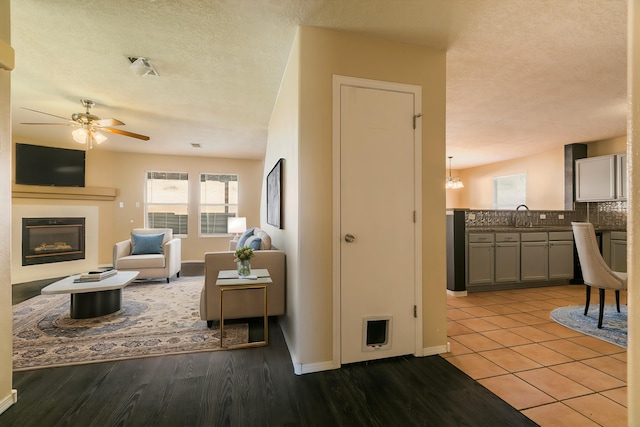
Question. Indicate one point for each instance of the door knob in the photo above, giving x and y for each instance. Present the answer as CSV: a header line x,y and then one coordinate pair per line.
x,y
349,238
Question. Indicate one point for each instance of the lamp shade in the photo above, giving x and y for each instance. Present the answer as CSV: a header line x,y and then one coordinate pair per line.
x,y
80,135
236,225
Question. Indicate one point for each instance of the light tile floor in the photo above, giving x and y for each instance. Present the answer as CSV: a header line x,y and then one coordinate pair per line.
x,y
507,342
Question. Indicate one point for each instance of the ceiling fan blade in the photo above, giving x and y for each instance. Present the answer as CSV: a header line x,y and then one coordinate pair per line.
x,y
109,122
48,114
125,133
51,124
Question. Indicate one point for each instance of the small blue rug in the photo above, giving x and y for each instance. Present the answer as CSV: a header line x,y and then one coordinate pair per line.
x,y
614,324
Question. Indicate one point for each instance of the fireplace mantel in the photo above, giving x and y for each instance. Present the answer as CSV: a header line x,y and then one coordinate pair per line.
x,y
70,193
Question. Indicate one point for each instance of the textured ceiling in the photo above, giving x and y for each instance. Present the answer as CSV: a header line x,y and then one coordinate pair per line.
x,y
523,76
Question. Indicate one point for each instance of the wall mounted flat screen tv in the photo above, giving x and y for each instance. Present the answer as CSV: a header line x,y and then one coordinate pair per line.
x,y
50,166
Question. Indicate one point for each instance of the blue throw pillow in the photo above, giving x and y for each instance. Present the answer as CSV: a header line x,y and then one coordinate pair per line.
x,y
254,243
244,237
144,244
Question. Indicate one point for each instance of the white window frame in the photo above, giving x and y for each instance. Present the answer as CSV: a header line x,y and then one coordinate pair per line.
x,y
227,204
179,232
505,198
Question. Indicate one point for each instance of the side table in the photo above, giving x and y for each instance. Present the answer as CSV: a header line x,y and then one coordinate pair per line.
x,y
228,281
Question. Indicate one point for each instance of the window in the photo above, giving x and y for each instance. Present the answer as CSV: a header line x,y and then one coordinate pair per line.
x,y
167,200
218,201
509,191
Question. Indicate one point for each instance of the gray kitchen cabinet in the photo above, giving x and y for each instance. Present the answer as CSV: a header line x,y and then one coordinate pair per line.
x,y
534,257
507,256
614,249
480,259
596,178
560,255
618,251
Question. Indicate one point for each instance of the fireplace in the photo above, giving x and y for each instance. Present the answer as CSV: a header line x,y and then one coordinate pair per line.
x,y
46,240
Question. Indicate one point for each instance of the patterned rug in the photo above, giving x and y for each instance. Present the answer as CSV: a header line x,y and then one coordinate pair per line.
x,y
156,319
614,324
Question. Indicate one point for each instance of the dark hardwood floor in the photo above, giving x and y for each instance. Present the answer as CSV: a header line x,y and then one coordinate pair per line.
x,y
255,387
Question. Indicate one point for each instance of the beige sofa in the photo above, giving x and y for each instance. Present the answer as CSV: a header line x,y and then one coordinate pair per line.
x,y
246,303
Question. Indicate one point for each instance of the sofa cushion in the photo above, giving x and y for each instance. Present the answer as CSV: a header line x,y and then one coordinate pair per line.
x,y
264,237
243,239
144,244
134,262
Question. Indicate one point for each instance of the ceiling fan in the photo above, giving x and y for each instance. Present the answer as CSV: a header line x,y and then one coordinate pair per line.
x,y
89,125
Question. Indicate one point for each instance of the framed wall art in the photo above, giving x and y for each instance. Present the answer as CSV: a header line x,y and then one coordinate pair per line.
x,y
274,195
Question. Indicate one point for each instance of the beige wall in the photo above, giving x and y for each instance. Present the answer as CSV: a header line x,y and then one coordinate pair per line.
x,y
130,177
126,173
7,397
607,146
545,181
322,54
283,143
545,177
633,223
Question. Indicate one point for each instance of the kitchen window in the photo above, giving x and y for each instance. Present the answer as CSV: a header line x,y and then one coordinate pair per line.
x,y
509,191
218,201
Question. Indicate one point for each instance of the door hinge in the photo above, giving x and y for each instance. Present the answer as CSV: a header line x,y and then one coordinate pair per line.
x,y
416,117
414,217
415,311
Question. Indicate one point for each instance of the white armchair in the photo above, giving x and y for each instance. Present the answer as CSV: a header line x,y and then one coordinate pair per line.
x,y
153,256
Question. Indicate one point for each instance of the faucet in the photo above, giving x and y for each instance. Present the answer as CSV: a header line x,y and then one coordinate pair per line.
x,y
530,222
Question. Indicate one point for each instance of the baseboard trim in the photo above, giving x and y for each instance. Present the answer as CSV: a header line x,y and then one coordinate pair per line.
x,y
8,401
438,349
306,368
457,293
309,368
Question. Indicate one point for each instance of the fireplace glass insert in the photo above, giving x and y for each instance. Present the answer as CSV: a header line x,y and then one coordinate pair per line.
x,y
46,240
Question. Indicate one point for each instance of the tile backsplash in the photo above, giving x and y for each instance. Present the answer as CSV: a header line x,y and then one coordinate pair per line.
x,y
601,214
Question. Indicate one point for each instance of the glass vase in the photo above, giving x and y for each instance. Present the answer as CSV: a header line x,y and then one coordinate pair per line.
x,y
244,268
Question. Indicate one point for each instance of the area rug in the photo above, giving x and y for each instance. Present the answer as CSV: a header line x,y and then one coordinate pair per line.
x,y
614,324
156,318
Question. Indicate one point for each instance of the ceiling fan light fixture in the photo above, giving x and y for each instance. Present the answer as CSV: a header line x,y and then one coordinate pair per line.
x,y
453,182
84,136
98,137
80,135
142,67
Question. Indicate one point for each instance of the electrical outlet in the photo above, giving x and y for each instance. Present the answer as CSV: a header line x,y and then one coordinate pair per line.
x,y
472,216
560,216
543,216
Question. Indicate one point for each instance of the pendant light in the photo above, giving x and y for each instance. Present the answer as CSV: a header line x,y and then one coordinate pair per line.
x,y
453,181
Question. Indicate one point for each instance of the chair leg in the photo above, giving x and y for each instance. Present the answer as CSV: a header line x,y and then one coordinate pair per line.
x,y
167,280
586,306
618,300
601,308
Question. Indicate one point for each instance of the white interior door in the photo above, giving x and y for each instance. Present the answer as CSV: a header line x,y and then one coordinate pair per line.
x,y
377,223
